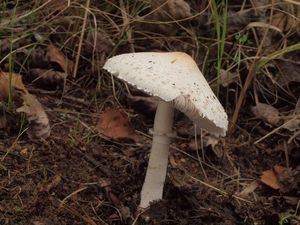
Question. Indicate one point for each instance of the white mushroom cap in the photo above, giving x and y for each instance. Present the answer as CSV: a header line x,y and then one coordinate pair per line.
x,y
173,76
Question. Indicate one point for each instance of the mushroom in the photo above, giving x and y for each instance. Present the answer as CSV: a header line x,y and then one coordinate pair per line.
x,y
175,78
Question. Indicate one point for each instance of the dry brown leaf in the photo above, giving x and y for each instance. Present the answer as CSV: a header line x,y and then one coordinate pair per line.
x,y
269,178
52,183
248,189
114,123
49,77
292,124
292,121
289,72
208,140
228,77
166,11
266,112
55,5
282,173
98,42
275,177
38,121
279,20
37,118
16,84
39,59
98,45
260,7
285,22
56,56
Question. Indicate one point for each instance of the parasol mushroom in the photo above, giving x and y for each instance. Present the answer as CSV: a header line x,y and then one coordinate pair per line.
x,y
175,78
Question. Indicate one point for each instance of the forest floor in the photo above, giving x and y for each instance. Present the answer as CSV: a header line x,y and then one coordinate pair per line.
x,y
51,58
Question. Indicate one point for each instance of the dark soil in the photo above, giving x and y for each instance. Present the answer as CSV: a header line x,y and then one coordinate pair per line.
x,y
77,176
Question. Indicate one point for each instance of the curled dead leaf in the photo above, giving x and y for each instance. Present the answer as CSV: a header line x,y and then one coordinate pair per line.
x,y
98,42
168,11
228,77
292,121
49,77
266,112
269,178
56,56
12,80
248,189
37,118
164,10
52,183
288,72
114,124
98,45
275,177
208,141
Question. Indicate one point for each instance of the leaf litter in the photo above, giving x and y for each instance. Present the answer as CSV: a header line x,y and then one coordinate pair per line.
x,y
73,156
114,123
37,118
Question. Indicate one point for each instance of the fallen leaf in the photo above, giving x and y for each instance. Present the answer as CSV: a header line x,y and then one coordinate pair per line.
x,y
168,10
51,183
24,152
164,10
248,189
56,180
292,121
208,140
10,79
98,45
37,118
228,77
269,178
279,20
266,112
288,72
98,42
291,200
275,177
285,22
56,56
281,172
49,77
259,8
114,123
54,5
38,58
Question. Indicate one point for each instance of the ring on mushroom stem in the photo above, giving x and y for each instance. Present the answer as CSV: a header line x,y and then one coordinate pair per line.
x,y
170,135
177,80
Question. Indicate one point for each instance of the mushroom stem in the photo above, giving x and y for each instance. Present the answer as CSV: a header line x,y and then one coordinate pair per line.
x,y
158,161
